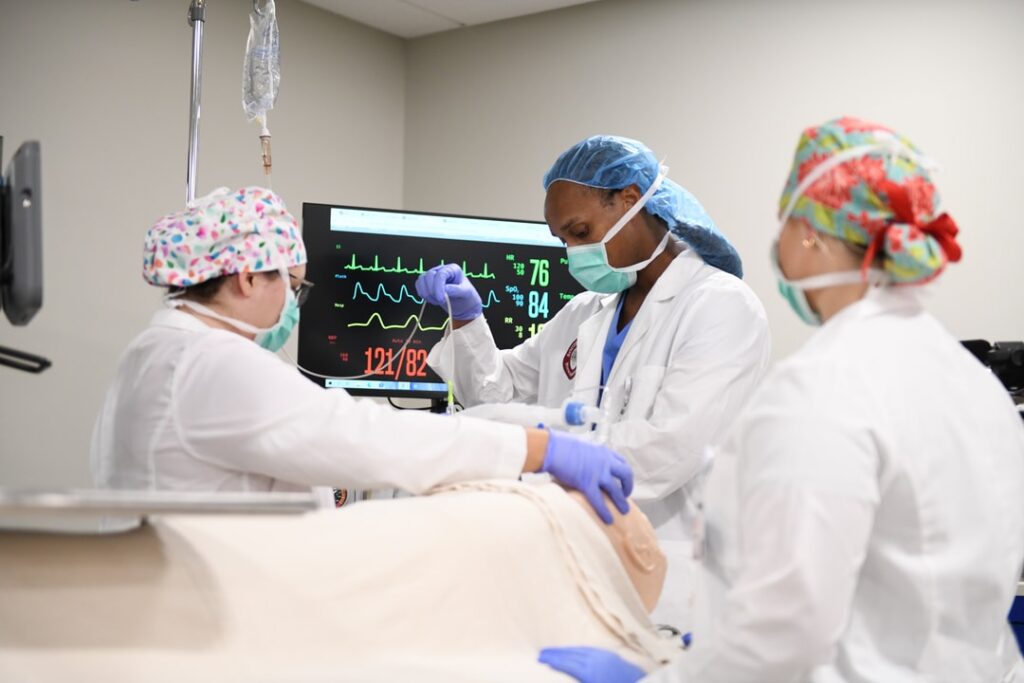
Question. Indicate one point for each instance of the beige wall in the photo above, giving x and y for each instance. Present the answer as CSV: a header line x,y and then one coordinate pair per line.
x,y
104,84
468,121
722,89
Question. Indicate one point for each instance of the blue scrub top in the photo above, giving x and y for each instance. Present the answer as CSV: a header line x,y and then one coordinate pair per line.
x,y
612,345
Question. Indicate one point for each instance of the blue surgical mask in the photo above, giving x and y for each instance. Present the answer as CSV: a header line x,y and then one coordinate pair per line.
x,y
588,263
271,338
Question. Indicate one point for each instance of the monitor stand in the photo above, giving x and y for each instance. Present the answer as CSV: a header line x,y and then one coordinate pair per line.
x,y
20,360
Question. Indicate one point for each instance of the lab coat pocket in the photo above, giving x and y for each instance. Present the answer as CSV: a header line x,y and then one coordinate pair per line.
x,y
639,401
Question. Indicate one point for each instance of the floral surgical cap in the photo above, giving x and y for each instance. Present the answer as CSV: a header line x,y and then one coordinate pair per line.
x,y
609,162
225,232
883,200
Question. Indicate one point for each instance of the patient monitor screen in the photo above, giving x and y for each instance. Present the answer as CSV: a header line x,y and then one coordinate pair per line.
x,y
364,263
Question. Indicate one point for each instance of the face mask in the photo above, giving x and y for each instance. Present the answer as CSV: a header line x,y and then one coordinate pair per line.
x,y
270,338
588,263
795,291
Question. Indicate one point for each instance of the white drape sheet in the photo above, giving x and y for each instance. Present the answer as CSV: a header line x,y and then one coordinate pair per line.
x,y
466,584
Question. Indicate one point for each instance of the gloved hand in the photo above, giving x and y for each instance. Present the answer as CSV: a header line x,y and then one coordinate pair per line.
x,y
591,665
589,468
449,279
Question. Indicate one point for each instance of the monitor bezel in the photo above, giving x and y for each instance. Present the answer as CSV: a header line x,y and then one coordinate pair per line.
x,y
326,210
21,239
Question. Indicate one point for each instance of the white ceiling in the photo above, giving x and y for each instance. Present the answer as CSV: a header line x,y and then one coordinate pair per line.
x,y
413,18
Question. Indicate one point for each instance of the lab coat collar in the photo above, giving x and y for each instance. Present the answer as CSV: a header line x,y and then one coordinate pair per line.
x,y
682,269
639,328
594,330
608,300
672,281
590,346
880,301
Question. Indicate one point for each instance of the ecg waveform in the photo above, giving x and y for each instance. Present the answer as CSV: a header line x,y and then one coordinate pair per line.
x,y
485,274
382,291
408,321
403,292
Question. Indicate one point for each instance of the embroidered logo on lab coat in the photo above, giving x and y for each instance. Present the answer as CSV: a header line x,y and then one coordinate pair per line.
x,y
569,361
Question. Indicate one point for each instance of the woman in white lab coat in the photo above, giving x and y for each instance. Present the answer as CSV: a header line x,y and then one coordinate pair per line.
x,y
200,401
669,340
864,517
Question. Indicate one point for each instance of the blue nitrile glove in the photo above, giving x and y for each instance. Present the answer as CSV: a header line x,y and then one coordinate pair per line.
x,y
449,279
591,665
589,468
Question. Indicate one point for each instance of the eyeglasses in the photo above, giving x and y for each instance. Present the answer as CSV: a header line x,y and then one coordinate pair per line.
x,y
301,290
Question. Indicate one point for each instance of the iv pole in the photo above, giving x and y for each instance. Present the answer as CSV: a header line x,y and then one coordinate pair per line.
x,y
196,19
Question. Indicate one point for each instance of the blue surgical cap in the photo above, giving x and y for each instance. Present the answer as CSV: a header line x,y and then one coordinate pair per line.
x,y
609,162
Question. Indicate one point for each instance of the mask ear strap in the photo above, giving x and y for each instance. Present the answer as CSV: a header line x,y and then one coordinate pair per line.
x,y
872,276
847,277
289,293
210,313
646,262
635,209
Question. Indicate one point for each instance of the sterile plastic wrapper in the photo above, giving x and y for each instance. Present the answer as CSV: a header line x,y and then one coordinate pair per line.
x,y
261,71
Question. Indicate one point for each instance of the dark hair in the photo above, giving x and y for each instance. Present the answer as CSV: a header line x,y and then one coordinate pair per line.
x,y
204,292
606,195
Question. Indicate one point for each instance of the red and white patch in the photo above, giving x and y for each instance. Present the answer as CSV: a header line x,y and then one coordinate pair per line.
x,y
569,361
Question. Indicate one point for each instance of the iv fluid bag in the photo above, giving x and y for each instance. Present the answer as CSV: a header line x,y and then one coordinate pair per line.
x,y
261,71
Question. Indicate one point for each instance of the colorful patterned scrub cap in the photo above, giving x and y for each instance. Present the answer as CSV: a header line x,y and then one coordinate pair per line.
x,y
869,186
609,162
225,232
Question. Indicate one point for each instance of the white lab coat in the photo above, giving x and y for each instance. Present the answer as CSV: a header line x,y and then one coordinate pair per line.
x,y
197,408
693,356
864,516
